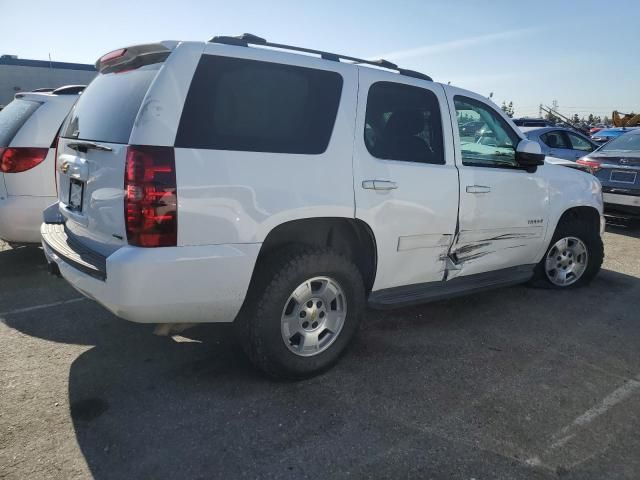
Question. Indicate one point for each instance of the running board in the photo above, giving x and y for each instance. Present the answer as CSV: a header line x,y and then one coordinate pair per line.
x,y
433,291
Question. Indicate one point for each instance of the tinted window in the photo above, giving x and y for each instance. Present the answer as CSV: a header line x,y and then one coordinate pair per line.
x,y
493,145
403,123
555,139
13,116
579,143
246,105
108,107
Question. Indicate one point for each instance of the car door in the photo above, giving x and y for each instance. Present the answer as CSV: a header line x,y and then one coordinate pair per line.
x,y
558,144
580,145
405,179
503,208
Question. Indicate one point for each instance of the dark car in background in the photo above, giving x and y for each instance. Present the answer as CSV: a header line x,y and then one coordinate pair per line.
x,y
471,129
617,166
533,122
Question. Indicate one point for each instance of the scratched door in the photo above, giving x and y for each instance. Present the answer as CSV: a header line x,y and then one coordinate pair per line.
x,y
405,178
503,208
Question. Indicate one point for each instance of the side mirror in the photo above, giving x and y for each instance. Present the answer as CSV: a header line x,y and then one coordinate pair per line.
x,y
529,155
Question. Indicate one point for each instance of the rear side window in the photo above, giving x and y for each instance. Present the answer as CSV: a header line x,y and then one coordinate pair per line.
x,y
252,106
555,139
403,123
108,107
13,117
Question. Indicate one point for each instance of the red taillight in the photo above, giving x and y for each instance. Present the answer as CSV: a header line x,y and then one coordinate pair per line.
x,y
21,159
594,165
112,55
151,203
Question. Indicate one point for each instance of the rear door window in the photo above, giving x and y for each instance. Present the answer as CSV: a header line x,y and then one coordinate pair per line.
x,y
403,122
556,139
13,117
253,106
108,107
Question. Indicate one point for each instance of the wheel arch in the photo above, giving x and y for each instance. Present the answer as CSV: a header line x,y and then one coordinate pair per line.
x,y
584,213
351,237
587,213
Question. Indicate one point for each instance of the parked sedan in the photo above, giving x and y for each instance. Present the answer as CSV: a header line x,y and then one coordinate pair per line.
x,y
617,166
560,142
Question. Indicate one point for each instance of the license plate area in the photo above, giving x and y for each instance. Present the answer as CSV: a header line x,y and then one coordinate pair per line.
x,y
76,195
623,177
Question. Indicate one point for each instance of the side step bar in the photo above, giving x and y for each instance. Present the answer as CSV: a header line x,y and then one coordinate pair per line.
x,y
432,291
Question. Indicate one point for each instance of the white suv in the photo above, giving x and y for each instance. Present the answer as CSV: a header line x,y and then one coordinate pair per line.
x,y
220,182
28,136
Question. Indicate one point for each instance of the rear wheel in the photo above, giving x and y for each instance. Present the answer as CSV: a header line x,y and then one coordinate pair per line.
x,y
303,308
573,258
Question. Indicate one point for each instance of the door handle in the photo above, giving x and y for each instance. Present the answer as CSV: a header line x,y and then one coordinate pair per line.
x,y
379,185
478,189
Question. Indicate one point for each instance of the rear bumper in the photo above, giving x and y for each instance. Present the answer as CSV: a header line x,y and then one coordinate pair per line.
x,y
192,284
617,199
21,216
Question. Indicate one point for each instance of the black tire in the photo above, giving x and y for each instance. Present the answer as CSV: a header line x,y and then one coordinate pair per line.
x,y
276,277
573,227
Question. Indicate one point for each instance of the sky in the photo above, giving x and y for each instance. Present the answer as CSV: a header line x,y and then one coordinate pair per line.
x,y
584,54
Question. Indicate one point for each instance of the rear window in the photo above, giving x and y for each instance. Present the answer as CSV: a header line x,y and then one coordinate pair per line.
x,y
253,106
629,142
108,107
13,117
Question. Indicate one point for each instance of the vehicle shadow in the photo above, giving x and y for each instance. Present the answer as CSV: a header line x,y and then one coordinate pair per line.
x,y
192,406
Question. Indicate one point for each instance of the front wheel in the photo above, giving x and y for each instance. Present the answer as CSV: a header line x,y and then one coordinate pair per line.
x,y
573,258
303,309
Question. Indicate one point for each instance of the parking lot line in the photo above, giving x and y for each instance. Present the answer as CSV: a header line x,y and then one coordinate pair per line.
x,y
39,307
587,417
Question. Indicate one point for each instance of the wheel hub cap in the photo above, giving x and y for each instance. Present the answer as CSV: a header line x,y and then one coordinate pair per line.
x,y
566,261
313,316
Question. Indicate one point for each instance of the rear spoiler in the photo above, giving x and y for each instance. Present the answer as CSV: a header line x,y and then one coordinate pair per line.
x,y
136,56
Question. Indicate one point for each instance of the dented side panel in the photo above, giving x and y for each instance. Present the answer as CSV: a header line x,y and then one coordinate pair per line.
x,y
503,228
504,212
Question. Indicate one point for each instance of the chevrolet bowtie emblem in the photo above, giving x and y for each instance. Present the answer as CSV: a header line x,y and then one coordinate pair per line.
x,y
64,168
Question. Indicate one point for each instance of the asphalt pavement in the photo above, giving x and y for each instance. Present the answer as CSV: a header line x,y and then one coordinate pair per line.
x,y
516,383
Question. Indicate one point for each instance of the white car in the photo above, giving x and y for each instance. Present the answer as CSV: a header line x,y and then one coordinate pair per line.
x,y
220,182
28,134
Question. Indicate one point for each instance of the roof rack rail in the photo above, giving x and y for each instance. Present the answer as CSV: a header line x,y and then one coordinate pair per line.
x,y
42,90
69,90
247,39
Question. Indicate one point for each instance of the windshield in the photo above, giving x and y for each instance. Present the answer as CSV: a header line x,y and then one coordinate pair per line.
x,y
108,107
629,142
13,116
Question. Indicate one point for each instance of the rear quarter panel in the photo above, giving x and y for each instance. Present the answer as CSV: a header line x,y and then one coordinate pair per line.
x,y
239,197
